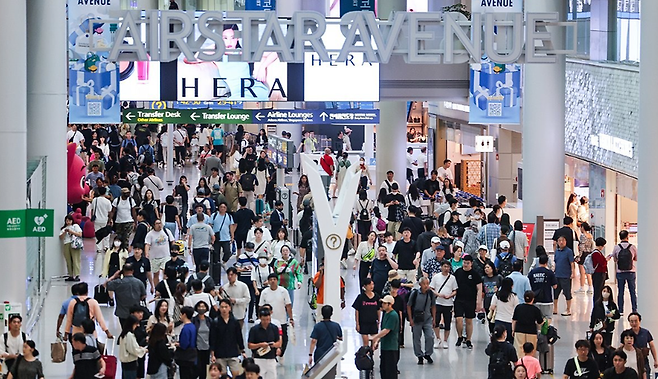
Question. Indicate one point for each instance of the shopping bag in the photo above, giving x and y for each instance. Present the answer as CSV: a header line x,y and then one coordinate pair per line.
x,y
58,351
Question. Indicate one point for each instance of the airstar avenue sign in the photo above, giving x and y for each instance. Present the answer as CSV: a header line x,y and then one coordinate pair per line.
x,y
503,37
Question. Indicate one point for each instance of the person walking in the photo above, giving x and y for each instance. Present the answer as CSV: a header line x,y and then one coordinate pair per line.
x,y
525,320
226,342
625,256
237,292
365,254
30,366
468,300
160,355
366,311
388,336
444,286
620,370
128,290
582,366
422,313
279,299
604,314
501,354
502,307
324,335
643,341
264,341
129,349
200,239
186,353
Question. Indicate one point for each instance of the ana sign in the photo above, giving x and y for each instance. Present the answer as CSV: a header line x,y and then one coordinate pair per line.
x,y
164,35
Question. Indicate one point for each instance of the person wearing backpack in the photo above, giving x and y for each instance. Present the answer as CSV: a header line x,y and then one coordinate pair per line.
x,y
12,341
501,355
83,307
248,182
504,259
625,256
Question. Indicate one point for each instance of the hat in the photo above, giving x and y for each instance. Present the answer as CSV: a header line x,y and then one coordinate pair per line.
x,y
459,244
125,190
436,240
393,274
504,245
439,247
262,254
215,186
483,247
388,299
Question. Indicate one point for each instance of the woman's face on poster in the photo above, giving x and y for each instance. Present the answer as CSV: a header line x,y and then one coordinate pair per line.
x,y
229,39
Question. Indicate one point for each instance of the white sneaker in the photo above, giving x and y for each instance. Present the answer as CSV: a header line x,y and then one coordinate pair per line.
x,y
445,346
437,344
580,290
590,290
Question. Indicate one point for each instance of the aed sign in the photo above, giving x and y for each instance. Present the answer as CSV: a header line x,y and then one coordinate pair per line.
x,y
26,223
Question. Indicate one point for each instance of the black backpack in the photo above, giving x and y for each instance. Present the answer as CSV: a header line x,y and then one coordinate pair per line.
x,y
625,258
499,366
364,215
363,359
80,311
247,181
504,264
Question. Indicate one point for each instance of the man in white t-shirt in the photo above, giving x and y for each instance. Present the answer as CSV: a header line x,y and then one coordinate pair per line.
x,y
124,207
444,286
279,299
75,136
100,209
198,295
421,159
388,182
389,243
157,249
12,341
445,172
180,137
412,164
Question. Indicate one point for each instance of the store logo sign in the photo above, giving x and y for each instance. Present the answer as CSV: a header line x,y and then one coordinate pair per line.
x,y
614,144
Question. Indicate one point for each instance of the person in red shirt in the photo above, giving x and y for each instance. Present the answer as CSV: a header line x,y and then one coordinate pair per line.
x,y
600,267
327,162
318,282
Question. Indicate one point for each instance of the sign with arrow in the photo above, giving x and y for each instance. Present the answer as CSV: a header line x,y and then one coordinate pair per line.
x,y
187,116
316,116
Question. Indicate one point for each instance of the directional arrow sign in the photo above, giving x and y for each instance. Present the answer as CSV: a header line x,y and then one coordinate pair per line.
x,y
317,116
187,116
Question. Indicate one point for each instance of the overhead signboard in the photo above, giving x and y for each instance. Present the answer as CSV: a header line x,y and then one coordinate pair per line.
x,y
260,5
317,116
239,116
497,6
27,223
187,116
356,5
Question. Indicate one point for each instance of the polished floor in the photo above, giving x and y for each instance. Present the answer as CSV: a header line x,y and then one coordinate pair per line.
x,y
452,363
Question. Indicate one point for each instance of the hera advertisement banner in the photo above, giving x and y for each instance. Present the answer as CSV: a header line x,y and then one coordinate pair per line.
x,y
93,80
495,94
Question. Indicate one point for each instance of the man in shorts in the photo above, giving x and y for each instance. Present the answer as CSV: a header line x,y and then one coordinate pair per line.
x,y
468,300
157,249
565,269
444,286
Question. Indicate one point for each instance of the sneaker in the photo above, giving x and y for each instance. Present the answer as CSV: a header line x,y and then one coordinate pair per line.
x,y
459,341
251,320
437,344
469,345
581,290
445,346
590,290
429,359
420,360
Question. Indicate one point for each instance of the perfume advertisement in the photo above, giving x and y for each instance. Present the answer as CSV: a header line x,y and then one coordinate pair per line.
x,y
93,80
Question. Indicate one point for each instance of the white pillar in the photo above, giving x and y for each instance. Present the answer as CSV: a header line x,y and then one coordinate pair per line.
x,y
46,119
169,171
647,154
391,142
543,129
13,141
286,8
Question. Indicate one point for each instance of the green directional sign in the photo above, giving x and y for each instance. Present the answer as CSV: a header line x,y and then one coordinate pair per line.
x,y
186,116
27,223
12,223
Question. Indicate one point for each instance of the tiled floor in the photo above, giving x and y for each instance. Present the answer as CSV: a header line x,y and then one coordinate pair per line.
x,y
452,363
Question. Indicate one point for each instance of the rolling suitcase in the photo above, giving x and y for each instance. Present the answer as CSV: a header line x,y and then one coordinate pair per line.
x,y
546,354
101,295
110,360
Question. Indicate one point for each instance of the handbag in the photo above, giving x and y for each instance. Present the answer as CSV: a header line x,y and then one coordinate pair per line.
x,y
76,242
419,316
58,351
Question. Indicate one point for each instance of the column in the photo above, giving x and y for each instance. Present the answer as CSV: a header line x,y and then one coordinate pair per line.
x,y
543,130
391,145
385,7
47,118
13,145
369,141
647,154
603,30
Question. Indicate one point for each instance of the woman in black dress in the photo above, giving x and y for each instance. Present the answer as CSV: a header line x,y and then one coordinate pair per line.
x,y
366,306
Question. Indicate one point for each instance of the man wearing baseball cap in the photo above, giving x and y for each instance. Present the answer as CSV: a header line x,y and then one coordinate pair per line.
x,y
433,265
481,259
390,350
430,251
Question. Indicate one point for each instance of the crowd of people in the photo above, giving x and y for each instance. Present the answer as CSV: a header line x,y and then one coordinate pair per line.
x,y
413,268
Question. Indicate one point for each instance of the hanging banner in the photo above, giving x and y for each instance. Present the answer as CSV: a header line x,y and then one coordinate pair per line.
x,y
260,5
497,6
356,5
93,80
495,94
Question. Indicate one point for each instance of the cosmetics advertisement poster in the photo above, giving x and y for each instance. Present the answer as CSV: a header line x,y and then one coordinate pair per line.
x,y
93,80
228,78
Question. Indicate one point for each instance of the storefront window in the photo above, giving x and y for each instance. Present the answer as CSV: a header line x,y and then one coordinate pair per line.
x,y
628,30
579,12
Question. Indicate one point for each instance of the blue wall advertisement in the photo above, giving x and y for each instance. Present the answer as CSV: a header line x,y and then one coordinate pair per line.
x,y
495,94
93,80
356,5
260,5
